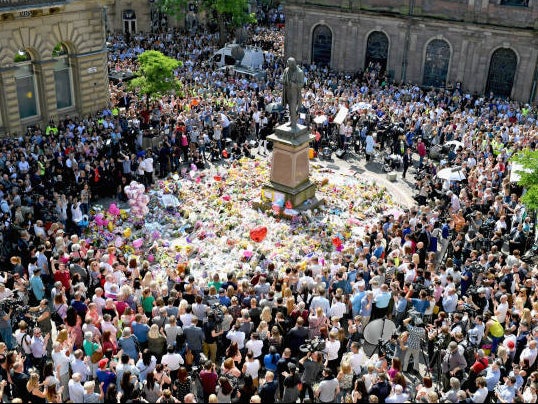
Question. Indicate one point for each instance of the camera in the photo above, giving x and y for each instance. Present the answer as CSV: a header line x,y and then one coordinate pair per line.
x,y
313,345
216,313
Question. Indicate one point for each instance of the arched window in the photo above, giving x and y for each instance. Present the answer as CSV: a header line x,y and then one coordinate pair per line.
x,y
26,85
377,50
502,70
322,42
436,63
62,77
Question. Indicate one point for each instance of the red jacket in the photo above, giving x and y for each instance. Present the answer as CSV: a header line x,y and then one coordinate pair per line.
x,y
421,149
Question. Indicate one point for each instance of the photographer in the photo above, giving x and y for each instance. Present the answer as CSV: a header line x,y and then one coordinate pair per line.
x,y
6,332
212,332
417,333
312,365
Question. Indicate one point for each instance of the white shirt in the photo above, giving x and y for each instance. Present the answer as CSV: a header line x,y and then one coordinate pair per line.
x,y
252,368
331,349
108,326
410,275
186,319
480,395
76,391
174,361
100,302
76,213
530,355
28,340
338,310
502,309
148,165
356,361
397,398
62,360
78,366
237,336
256,346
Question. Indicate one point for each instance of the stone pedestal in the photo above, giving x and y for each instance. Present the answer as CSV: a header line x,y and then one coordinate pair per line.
x,y
290,169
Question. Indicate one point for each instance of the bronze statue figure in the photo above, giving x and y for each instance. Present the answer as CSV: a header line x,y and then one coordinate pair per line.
x,y
292,81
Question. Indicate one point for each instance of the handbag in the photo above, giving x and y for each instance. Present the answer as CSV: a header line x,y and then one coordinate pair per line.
x,y
189,357
97,356
58,320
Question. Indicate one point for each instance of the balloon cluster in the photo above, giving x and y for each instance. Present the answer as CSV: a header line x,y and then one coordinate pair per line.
x,y
138,200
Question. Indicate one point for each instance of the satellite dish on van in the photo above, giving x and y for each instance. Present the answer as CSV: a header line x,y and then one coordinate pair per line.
x,y
237,53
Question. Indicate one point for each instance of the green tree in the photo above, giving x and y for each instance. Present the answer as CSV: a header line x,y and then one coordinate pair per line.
x,y
227,15
155,76
528,161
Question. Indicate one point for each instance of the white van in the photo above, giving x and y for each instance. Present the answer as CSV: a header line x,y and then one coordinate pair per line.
x,y
252,57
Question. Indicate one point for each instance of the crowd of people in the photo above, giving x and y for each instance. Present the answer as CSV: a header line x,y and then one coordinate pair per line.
x,y
448,273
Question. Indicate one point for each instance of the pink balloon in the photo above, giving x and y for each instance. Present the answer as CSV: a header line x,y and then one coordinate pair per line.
x,y
138,243
119,242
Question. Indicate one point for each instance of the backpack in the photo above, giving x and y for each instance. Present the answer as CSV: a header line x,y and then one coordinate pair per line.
x,y
189,357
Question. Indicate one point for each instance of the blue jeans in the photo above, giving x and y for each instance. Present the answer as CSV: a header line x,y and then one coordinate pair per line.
x,y
7,335
495,341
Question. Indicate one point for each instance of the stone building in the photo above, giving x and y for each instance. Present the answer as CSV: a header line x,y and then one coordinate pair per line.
x,y
132,16
486,45
53,61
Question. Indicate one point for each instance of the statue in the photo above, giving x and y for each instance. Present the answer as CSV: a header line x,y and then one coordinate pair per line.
x,y
293,81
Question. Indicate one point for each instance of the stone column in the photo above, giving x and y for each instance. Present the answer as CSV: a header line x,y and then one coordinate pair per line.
x,y
290,168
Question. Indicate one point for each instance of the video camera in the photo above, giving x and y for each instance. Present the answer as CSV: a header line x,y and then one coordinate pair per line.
x,y
313,345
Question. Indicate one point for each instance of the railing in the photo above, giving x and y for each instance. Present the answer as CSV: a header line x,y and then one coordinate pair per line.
x,y
15,4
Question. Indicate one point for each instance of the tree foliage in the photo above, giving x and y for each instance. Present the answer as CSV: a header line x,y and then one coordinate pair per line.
x,y
528,159
155,76
227,15
173,8
233,12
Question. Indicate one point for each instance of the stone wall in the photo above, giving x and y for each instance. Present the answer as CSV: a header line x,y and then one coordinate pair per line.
x,y
79,26
472,29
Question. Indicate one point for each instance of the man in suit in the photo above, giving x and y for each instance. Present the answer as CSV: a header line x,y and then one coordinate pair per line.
x,y
195,338
124,101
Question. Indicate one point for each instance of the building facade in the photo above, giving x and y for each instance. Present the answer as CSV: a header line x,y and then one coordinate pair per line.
x,y
489,46
53,61
132,16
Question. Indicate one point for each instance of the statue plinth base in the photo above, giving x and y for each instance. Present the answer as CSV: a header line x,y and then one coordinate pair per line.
x,y
290,168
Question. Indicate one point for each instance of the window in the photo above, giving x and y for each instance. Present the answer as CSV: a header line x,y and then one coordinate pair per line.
x,y
436,63
502,70
26,86
129,21
322,40
228,60
377,50
520,3
62,77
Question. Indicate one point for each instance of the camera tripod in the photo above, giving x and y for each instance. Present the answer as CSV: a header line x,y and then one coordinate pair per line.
x,y
379,348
